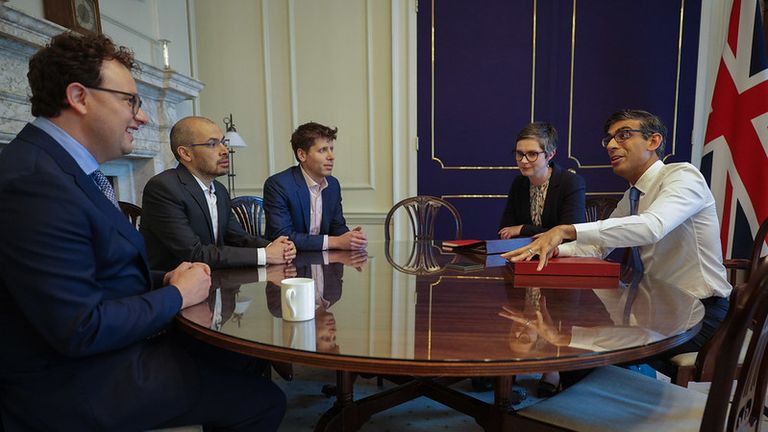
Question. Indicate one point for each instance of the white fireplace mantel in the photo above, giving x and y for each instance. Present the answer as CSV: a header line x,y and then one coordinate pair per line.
x,y
21,35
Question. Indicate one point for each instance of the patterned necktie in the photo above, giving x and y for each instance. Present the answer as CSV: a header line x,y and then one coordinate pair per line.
x,y
106,188
634,201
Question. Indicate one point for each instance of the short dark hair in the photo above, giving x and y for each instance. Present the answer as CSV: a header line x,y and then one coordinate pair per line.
x,y
67,58
649,124
305,135
183,132
544,133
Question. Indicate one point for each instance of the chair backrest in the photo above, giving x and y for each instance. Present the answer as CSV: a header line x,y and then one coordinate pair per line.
x,y
249,211
757,247
423,258
749,308
599,207
131,211
422,212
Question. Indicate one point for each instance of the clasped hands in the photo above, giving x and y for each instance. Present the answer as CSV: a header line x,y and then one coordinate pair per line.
x,y
280,251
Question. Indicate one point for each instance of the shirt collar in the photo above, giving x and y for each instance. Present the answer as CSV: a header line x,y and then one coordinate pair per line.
x,y
644,181
311,182
79,153
205,188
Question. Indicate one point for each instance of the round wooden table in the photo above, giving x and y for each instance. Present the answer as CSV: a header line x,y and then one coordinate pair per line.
x,y
400,312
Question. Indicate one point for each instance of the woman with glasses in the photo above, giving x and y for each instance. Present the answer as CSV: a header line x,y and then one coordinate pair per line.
x,y
542,197
545,195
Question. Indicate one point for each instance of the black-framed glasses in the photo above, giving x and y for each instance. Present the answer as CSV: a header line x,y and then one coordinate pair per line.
x,y
212,143
621,136
530,156
133,98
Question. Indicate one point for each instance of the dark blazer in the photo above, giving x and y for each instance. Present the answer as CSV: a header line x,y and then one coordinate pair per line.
x,y
176,224
286,205
75,303
564,203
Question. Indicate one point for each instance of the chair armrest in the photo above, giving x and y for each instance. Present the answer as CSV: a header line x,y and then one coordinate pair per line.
x,y
737,264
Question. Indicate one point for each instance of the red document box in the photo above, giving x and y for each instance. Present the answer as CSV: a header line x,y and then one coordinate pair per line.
x,y
570,266
577,282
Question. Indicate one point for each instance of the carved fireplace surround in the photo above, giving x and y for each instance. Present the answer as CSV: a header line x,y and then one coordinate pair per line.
x,y
21,35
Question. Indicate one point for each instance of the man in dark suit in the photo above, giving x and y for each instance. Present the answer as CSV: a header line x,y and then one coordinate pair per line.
x,y
304,202
82,344
186,213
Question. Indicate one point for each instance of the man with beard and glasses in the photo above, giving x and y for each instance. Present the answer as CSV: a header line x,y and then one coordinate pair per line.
x,y
186,213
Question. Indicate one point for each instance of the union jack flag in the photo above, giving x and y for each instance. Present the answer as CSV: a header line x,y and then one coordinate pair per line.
x,y
736,141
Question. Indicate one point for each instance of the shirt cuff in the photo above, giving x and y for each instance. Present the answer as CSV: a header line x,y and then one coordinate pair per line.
x,y
261,257
325,242
588,233
262,273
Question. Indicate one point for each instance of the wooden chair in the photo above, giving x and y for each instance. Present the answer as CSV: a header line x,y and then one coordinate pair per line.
x,y
132,212
422,212
249,211
747,266
612,398
599,207
700,366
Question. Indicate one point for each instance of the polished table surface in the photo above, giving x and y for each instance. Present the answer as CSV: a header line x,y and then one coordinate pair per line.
x,y
400,311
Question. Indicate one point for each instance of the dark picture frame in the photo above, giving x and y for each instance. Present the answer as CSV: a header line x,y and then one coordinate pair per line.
x,y
82,16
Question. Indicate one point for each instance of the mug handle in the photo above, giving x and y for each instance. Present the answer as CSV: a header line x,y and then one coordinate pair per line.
x,y
290,295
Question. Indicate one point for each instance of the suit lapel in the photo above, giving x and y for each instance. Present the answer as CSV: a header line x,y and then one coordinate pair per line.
x,y
222,207
112,214
190,184
325,221
553,195
302,192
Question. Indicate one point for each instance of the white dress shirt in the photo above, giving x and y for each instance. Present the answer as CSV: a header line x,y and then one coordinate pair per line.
x,y
676,228
210,197
315,205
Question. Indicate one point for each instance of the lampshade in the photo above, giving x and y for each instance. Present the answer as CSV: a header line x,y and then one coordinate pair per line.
x,y
235,140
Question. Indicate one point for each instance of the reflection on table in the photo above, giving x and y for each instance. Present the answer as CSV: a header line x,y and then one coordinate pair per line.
x,y
443,315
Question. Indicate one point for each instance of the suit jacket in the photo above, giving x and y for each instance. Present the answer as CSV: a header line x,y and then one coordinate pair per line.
x,y
176,224
564,203
286,205
75,303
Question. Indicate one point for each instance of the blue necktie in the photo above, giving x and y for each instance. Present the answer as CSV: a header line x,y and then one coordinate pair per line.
x,y
106,188
634,200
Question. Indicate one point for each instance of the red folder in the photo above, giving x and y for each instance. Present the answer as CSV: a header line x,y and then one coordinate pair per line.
x,y
461,243
577,282
570,266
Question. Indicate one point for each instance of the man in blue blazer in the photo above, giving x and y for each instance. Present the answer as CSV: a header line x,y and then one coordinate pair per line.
x,y
304,202
186,212
82,345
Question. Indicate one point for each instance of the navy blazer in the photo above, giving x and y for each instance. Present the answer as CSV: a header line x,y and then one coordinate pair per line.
x,y
286,206
564,203
176,224
75,303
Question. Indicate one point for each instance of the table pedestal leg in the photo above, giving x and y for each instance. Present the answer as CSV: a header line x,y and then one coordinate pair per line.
x,y
343,416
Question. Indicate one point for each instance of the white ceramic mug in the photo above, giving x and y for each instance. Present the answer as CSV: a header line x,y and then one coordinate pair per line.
x,y
299,335
297,299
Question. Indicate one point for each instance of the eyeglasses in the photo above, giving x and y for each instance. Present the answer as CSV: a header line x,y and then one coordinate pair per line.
x,y
133,98
621,136
530,156
212,143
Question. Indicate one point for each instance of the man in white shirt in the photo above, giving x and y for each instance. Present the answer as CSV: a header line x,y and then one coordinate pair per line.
x,y
675,228
186,213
